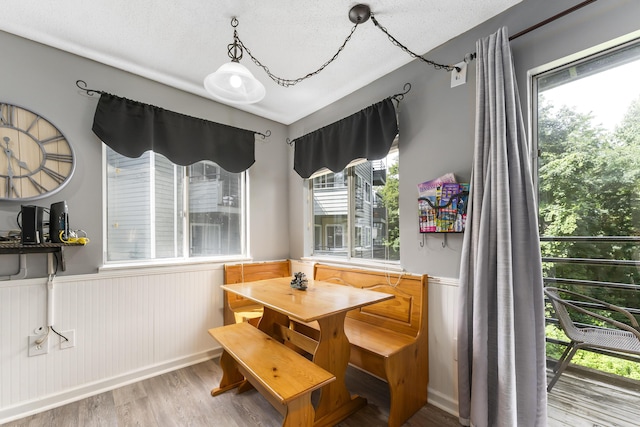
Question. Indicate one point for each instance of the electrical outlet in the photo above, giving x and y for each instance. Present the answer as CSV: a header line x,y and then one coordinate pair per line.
x,y
36,349
70,339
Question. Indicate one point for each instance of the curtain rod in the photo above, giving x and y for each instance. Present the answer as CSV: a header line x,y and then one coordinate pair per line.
x,y
82,85
470,56
553,18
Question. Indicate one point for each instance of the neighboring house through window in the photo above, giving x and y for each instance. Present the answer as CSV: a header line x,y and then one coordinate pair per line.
x,y
159,210
362,203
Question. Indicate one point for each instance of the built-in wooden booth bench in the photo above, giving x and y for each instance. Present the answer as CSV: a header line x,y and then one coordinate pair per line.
x,y
238,309
284,377
388,339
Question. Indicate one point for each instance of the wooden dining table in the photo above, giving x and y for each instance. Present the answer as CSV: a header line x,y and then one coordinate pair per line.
x,y
328,304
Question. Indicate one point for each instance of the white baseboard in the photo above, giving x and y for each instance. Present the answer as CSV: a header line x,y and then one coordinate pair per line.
x,y
25,409
446,403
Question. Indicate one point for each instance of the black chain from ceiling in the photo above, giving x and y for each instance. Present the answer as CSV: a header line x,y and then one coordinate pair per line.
x,y
358,15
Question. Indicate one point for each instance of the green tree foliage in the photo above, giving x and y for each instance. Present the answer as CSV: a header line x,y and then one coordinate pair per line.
x,y
589,184
390,193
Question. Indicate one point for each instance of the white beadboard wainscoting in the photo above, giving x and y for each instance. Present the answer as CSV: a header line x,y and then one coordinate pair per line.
x,y
135,324
443,332
128,325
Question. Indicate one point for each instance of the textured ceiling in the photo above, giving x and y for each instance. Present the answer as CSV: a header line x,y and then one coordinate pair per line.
x,y
179,42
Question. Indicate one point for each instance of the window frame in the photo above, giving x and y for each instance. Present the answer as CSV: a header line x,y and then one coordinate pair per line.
x,y
183,219
349,181
590,55
563,62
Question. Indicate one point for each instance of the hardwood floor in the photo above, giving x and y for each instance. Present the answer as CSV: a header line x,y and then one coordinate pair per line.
x,y
587,398
182,398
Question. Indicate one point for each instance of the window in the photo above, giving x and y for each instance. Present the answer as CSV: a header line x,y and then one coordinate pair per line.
x,y
362,203
333,237
330,180
367,192
158,210
359,237
587,130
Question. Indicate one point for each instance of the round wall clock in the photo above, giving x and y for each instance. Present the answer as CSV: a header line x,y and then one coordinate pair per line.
x,y
36,160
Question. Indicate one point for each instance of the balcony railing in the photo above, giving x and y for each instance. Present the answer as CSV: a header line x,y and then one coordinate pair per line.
x,y
587,285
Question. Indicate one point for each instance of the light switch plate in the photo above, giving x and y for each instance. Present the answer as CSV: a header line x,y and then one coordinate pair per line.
x,y
459,77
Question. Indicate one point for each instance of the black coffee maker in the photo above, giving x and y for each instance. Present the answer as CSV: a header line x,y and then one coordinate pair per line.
x,y
59,222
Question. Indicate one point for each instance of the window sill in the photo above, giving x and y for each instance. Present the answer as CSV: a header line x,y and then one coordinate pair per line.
x,y
385,266
135,265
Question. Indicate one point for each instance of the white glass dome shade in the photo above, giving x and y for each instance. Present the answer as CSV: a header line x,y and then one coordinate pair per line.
x,y
234,83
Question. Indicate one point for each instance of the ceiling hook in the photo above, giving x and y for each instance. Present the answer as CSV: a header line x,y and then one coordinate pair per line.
x,y
359,14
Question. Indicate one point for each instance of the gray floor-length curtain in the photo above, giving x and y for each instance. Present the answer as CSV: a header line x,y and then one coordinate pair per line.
x,y
501,347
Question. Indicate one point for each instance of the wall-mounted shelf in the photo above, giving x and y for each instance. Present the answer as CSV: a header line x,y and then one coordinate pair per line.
x,y
17,248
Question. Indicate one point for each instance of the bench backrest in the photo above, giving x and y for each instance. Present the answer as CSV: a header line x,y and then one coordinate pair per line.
x,y
250,272
406,313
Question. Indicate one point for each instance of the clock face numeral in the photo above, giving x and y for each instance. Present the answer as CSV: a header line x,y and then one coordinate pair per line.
x,y
11,188
6,114
33,123
37,185
59,178
52,139
66,158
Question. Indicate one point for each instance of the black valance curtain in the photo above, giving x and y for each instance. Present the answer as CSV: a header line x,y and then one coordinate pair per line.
x,y
131,128
367,134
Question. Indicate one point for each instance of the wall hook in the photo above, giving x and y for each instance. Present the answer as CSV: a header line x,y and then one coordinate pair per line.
x,y
400,96
82,85
267,134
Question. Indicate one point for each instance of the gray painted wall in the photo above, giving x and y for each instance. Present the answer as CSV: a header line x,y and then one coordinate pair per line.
x,y
43,79
437,121
436,129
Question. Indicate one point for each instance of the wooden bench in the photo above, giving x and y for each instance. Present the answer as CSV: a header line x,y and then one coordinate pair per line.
x,y
238,309
285,378
388,339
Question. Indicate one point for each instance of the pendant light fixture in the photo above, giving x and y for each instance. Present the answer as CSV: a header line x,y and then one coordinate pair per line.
x,y
233,82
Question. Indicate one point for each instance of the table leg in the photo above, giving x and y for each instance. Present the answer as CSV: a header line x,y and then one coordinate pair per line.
x,y
269,319
332,354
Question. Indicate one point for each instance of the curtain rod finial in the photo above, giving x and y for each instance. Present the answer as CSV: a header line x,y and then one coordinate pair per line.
x,y
82,85
265,135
